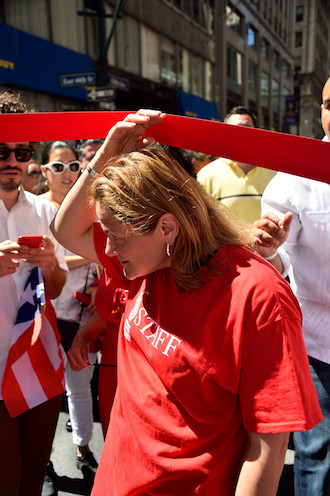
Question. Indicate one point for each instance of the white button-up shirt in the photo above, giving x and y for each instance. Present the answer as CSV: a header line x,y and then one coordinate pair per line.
x,y
31,215
308,250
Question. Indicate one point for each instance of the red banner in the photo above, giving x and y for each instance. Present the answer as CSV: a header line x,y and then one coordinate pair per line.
x,y
278,151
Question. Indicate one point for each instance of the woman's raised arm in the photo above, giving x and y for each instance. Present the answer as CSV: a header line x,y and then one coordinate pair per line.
x,y
73,224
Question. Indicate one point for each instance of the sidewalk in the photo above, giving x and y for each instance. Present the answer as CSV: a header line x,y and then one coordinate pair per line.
x,y
63,457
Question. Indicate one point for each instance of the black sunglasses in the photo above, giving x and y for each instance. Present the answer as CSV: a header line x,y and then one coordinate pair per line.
x,y
21,154
34,173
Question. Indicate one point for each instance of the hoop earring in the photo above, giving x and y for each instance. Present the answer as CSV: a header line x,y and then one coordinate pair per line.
x,y
168,253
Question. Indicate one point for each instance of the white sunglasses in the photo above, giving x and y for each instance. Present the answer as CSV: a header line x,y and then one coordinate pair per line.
x,y
58,167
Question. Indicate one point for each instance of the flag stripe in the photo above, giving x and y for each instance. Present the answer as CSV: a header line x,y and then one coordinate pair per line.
x,y
28,381
34,370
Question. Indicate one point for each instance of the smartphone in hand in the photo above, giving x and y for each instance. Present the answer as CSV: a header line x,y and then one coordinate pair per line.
x,y
30,241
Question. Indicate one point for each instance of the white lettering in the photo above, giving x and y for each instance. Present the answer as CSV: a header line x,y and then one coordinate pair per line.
x,y
159,339
170,345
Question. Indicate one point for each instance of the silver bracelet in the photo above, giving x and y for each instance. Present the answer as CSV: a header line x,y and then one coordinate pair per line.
x,y
271,257
92,172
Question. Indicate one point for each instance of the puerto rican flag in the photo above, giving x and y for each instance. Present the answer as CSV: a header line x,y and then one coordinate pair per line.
x,y
34,370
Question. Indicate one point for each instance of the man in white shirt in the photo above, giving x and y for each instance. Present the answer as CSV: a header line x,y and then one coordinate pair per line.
x,y
295,231
25,440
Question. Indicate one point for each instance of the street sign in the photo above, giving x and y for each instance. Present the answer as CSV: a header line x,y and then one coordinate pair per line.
x,y
74,80
106,92
118,82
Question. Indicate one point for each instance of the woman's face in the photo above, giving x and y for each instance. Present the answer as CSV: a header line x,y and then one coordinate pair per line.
x,y
61,183
139,254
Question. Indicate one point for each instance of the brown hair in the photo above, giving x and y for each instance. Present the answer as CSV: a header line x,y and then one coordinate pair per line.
x,y
140,187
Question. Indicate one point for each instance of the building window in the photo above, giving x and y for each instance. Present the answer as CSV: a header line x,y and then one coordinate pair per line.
x,y
285,69
207,16
234,70
297,64
276,59
187,7
276,102
265,90
209,81
128,45
167,62
251,37
264,49
184,69
252,82
150,63
19,15
233,19
197,76
299,39
300,13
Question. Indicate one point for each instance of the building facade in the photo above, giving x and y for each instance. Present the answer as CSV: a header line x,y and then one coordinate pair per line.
x,y
193,57
312,63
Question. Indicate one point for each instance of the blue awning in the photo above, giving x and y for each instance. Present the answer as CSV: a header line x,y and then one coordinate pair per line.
x,y
194,106
32,62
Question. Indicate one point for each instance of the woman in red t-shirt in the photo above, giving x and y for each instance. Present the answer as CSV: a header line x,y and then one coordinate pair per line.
x,y
212,369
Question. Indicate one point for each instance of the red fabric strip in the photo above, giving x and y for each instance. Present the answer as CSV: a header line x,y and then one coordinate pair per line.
x,y
278,151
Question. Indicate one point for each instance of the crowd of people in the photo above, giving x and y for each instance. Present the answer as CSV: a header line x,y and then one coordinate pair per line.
x,y
212,358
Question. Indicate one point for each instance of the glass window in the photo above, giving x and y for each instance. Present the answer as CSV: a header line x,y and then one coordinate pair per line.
x,y
30,17
265,90
128,44
195,7
168,62
197,76
150,62
207,19
233,19
276,102
184,70
234,70
209,81
299,39
187,7
297,64
251,37
300,13
285,69
264,49
252,82
276,58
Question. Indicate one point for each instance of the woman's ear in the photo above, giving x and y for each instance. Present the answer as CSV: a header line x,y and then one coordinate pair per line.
x,y
43,170
169,227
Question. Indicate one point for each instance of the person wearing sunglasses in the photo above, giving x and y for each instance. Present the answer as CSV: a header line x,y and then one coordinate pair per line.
x,y
61,169
23,457
33,177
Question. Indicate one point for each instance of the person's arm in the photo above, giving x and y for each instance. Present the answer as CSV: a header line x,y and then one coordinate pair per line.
x,y
78,352
75,261
73,224
44,257
270,233
262,464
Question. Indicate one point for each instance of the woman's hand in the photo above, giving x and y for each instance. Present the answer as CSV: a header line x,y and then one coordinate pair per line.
x,y
127,136
78,353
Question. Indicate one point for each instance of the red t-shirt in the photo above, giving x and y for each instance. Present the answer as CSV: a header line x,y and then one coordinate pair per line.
x,y
197,370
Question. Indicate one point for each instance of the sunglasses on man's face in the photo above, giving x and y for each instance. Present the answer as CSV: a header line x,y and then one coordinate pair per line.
x,y
21,154
34,173
58,167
